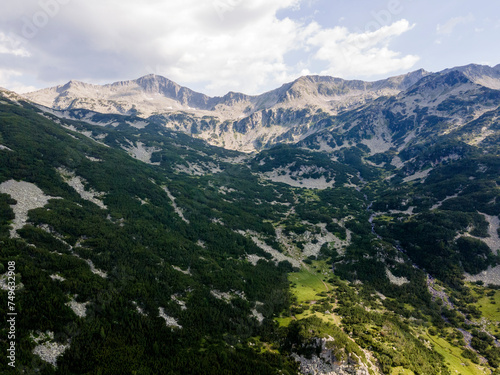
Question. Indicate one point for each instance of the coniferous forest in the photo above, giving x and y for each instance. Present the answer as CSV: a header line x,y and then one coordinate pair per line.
x,y
204,260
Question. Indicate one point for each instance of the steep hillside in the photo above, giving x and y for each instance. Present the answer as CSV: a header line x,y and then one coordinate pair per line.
x,y
365,242
234,121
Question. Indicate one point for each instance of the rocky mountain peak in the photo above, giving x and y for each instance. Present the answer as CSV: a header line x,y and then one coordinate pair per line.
x,y
483,75
439,83
156,84
72,84
281,114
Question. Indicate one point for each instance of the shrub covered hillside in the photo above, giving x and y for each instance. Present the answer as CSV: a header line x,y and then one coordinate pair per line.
x,y
141,250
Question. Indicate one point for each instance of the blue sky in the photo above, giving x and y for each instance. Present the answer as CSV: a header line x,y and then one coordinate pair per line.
x,y
250,46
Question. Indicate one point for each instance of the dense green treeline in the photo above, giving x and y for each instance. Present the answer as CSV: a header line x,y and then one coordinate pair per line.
x,y
135,243
180,244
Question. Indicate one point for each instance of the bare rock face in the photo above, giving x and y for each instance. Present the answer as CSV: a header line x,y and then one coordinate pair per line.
x,y
28,197
153,94
326,364
292,112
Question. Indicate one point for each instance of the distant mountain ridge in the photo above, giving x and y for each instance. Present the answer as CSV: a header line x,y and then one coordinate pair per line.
x,y
115,96
248,123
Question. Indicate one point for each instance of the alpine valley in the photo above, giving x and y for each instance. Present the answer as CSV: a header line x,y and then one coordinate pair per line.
x,y
325,227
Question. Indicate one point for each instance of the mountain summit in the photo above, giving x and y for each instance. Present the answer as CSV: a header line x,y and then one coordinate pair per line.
x,y
156,94
248,123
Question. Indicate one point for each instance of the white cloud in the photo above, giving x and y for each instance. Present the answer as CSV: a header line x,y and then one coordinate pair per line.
x,y
365,54
12,45
214,46
10,79
452,23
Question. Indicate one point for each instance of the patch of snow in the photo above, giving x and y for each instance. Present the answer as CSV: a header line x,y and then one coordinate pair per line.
x,y
28,197
57,277
5,148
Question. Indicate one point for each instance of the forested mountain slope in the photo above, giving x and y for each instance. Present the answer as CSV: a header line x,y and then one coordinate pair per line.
x,y
365,247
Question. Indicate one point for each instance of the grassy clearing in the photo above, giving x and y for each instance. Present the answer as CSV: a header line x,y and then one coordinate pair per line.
x,y
309,286
327,318
306,285
490,306
284,321
310,196
452,357
401,371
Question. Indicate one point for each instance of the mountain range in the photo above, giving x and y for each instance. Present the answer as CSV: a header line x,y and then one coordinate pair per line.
x,y
249,123
326,227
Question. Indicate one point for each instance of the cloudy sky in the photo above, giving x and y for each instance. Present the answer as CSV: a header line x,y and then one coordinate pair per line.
x,y
250,46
